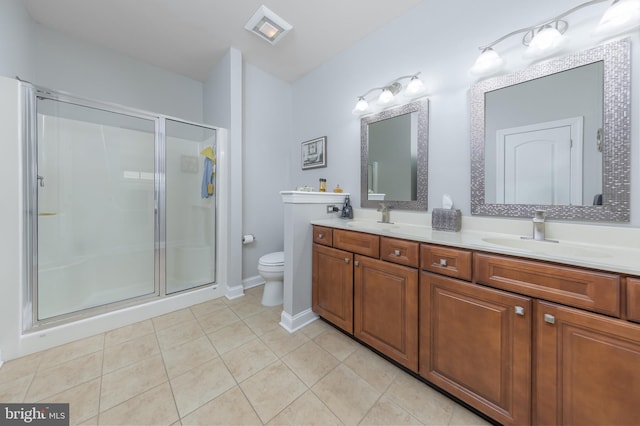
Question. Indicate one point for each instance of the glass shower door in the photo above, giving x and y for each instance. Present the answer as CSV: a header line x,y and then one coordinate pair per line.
x,y
190,189
96,199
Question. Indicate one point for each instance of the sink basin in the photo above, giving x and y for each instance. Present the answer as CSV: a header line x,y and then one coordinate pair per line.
x,y
402,230
546,247
370,225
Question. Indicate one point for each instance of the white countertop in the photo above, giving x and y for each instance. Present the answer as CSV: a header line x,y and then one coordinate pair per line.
x,y
612,258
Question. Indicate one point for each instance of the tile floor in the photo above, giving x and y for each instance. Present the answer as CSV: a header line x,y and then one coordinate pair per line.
x,y
225,362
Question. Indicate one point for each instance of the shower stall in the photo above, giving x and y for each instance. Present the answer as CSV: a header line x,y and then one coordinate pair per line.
x,y
120,206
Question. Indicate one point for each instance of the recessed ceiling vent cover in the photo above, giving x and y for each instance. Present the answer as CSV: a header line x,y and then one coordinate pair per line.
x,y
267,25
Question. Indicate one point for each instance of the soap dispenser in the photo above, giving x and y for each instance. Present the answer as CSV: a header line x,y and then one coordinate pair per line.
x,y
347,210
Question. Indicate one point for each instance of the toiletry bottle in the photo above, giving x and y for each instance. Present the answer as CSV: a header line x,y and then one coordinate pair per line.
x,y
337,189
323,185
347,210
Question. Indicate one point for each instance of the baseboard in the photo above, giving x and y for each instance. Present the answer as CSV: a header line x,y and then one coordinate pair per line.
x,y
298,321
234,292
1,362
251,282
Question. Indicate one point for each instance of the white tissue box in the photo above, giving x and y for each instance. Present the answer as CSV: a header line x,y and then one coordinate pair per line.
x,y
446,220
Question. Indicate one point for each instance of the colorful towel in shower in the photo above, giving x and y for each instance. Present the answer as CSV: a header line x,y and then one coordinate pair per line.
x,y
207,179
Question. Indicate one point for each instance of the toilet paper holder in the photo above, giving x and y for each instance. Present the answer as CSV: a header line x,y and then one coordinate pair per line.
x,y
248,239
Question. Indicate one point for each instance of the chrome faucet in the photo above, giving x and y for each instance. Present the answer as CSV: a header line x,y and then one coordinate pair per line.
x,y
539,227
385,213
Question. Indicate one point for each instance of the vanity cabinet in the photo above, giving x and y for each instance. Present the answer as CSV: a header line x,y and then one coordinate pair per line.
x,y
523,341
371,295
475,343
588,368
332,286
386,308
633,299
592,290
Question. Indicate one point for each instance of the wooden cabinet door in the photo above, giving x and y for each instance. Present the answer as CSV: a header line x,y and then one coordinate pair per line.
x,y
332,286
588,368
386,309
475,343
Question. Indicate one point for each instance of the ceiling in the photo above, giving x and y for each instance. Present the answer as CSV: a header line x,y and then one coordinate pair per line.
x,y
190,36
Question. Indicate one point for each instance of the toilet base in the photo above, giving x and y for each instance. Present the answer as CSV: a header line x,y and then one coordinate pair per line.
x,y
272,295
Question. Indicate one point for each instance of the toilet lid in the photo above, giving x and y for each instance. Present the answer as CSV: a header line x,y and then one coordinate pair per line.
x,y
276,258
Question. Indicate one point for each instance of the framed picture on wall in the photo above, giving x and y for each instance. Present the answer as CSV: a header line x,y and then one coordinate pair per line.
x,y
314,153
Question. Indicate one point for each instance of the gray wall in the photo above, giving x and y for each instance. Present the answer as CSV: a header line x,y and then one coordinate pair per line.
x,y
267,133
223,104
435,38
56,61
15,40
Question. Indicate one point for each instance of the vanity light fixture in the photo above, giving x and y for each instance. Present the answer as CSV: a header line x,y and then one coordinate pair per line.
x,y
267,25
621,16
389,94
546,38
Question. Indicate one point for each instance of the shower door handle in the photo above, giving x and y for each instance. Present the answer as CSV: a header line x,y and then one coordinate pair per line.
x,y
41,181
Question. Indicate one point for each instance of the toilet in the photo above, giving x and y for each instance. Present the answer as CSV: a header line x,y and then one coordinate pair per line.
x,y
271,269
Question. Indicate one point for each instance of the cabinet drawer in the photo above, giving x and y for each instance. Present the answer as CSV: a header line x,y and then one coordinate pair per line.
x,y
322,235
595,291
357,242
399,251
447,261
633,299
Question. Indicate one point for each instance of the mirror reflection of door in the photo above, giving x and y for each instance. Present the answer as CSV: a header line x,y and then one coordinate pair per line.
x,y
540,163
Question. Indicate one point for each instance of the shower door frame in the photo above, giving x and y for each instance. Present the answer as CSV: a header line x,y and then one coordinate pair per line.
x,y
30,94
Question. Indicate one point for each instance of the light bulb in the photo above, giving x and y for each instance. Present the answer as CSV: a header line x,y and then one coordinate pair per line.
x,y
385,97
415,87
361,106
621,16
487,63
547,41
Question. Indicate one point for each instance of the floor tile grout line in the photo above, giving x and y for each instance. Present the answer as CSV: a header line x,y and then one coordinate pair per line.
x,y
66,389
101,378
325,404
251,405
166,372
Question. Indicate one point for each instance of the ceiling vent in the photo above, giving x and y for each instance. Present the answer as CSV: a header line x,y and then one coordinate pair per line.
x,y
267,25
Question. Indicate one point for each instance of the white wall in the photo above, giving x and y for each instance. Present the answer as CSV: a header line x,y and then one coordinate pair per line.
x,y
223,103
267,135
15,40
436,38
56,61
86,70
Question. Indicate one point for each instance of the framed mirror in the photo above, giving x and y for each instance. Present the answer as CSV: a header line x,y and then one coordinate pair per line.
x,y
555,137
394,151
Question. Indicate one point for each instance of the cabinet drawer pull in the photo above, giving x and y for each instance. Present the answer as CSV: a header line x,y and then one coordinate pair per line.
x,y
356,263
397,252
549,318
320,236
346,260
443,262
519,310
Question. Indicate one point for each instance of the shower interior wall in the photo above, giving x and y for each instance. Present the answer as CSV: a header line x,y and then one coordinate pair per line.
x,y
13,341
57,61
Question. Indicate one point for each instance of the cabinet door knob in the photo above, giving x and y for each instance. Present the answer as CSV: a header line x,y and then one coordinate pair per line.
x,y
346,260
519,310
549,319
443,262
356,263
320,236
397,252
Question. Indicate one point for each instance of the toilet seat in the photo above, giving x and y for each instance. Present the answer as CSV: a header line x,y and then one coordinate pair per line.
x,y
272,259
271,269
